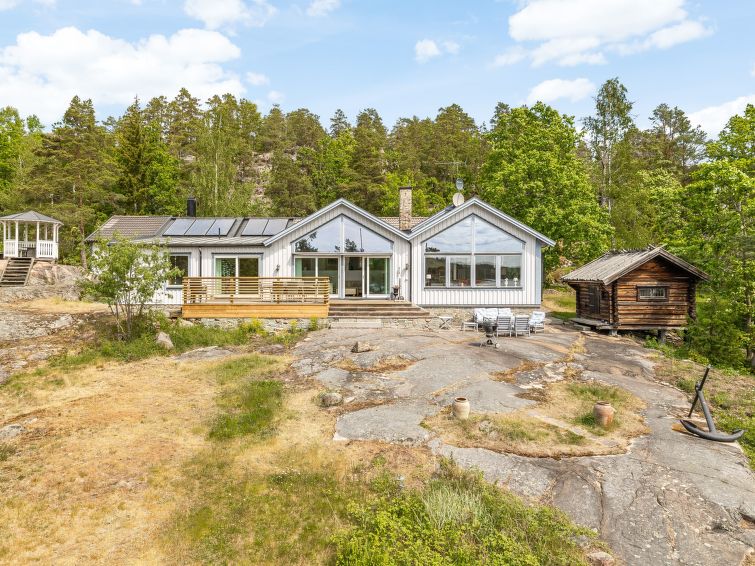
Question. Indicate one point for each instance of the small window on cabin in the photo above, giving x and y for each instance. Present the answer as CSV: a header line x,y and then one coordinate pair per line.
x,y
182,263
652,293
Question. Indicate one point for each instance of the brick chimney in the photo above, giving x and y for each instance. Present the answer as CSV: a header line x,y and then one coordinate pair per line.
x,y
404,208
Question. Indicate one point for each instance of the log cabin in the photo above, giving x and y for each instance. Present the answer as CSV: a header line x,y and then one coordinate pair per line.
x,y
649,289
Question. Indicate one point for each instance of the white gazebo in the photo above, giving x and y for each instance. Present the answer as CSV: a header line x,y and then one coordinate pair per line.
x,y
30,234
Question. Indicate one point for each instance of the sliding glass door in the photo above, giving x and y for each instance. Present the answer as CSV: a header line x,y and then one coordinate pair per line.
x,y
319,267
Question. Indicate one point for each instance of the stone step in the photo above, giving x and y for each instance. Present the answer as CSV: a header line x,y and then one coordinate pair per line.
x,y
356,323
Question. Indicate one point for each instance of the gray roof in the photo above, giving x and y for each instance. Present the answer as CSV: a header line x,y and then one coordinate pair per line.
x,y
153,229
31,216
130,227
613,265
394,220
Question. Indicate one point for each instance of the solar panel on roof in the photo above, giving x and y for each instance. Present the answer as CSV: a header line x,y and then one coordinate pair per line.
x,y
274,226
221,227
179,227
200,227
255,227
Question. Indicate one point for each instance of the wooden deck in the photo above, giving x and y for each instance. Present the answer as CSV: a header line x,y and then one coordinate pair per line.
x,y
255,297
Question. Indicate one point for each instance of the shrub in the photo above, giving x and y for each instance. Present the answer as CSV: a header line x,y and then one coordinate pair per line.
x,y
458,519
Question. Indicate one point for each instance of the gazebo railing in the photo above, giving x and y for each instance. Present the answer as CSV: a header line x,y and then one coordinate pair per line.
x,y
47,249
10,248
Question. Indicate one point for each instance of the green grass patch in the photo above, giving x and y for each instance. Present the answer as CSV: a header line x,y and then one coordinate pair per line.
x,y
250,406
594,392
561,304
312,514
6,451
143,345
251,410
458,519
286,517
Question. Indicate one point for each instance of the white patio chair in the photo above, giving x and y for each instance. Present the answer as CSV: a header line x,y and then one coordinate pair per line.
x,y
503,326
521,325
537,321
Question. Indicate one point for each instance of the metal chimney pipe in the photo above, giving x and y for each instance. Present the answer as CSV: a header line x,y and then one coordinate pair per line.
x,y
191,207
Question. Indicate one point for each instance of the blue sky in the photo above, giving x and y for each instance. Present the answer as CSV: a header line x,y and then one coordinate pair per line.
x,y
401,57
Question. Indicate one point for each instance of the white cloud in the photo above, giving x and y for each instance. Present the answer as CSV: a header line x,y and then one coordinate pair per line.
x,y
322,7
554,89
510,56
712,119
216,14
40,73
426,49
573,32
275,97
257,79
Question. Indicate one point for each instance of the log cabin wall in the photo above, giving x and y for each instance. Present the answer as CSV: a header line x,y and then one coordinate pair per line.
x,y
634,312
584,296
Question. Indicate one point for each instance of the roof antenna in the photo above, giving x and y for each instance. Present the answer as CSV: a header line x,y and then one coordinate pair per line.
x,y
458,198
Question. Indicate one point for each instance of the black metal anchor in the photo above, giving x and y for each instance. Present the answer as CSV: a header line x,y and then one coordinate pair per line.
x,y
712,433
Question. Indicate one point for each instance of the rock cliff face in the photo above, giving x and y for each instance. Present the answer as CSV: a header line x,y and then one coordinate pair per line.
x,y
46,273
46,280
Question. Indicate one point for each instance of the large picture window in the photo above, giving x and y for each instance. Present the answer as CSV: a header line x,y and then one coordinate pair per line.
x,y
473,253
343,235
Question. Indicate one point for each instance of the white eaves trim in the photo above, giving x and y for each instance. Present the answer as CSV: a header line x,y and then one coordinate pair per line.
x,y
340,202
475,201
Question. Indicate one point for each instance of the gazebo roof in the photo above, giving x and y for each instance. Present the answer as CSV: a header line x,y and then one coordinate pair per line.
x,y
30,216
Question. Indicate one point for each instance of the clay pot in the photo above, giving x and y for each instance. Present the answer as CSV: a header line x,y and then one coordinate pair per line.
x,y
603,413
461,408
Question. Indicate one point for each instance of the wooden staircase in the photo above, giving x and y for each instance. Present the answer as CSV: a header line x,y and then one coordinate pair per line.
x,y
366,309
16,273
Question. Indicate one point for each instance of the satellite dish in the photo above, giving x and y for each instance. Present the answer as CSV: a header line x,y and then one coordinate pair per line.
x,y
458,199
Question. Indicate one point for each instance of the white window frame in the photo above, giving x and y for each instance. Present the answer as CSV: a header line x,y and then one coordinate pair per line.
x,y
472,255
187,255
258,257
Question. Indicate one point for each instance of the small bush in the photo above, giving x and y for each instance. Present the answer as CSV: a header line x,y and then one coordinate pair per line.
x,y
6,451
458,519
314,324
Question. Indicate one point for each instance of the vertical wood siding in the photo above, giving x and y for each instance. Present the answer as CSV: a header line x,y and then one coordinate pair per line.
x,y
528,295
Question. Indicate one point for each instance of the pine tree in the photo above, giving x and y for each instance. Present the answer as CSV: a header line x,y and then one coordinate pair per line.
x,y
77,170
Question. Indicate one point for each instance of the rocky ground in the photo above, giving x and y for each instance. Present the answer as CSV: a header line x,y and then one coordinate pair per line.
x,y
33,331
670,499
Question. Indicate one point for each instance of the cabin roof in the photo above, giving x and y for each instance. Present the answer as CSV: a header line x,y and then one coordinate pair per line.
x,y
612,265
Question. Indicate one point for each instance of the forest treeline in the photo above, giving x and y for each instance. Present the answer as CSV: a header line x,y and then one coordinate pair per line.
x,y
591,184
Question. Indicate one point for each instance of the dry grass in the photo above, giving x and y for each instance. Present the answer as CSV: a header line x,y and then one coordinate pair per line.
x,y
509,375
386,364
114,454
57,305
559,425
79,484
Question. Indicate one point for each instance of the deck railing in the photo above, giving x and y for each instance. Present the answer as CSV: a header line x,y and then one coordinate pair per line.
x,y
256,290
